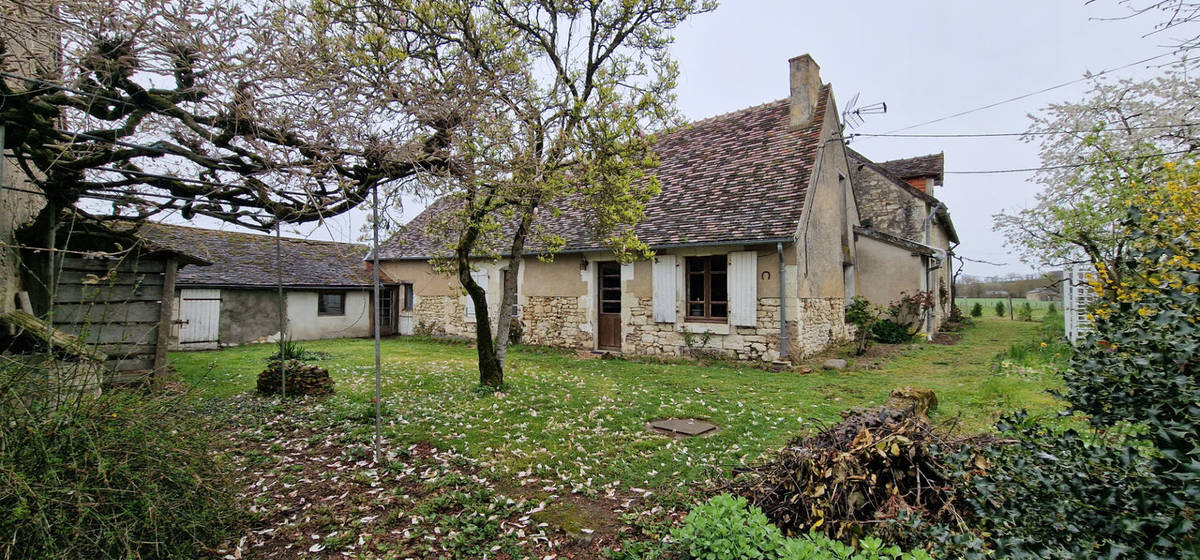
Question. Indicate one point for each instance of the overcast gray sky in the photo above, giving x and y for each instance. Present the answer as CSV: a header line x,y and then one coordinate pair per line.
x,y
926,60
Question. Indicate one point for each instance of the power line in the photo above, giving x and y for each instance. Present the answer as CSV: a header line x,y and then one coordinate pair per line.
x,y
1003,134
1031,94
1065,166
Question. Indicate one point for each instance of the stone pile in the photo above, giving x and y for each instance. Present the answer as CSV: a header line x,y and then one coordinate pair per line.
x,y
301,379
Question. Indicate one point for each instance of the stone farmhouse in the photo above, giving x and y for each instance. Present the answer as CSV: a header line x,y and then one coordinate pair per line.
x,y
760,238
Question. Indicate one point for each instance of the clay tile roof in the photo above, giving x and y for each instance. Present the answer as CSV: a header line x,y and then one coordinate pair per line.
x,y
248,259
738,177
931,165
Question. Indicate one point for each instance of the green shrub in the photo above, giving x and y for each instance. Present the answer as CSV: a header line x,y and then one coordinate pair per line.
x,y
1129,489
292,350
1025,313
819,547
1053,493
977,310
121,475
1000,308
888,331
1051,309
862,314
727,528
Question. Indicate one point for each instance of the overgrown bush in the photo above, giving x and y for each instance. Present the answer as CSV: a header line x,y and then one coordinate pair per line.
x,y
726,527
1052,309
815,546
888,331
1053,493
1025,312
977,310
862,314
1130,488
121,475
909,310
1000,308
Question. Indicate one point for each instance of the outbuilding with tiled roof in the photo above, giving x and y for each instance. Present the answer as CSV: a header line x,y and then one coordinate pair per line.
x,y
326,287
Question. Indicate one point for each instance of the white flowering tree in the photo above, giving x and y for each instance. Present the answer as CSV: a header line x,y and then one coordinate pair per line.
x,y
1094,154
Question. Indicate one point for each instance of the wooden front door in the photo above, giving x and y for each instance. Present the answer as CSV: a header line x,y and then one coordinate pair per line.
x,y
608,324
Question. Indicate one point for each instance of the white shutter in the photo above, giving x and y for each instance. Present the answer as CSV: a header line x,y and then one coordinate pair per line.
x,y
664,289
480,277
743,288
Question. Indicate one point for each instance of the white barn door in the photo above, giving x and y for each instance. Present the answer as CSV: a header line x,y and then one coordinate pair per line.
x,y
199,317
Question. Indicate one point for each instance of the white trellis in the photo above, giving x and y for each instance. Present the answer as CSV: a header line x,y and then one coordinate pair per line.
x,y
1077,296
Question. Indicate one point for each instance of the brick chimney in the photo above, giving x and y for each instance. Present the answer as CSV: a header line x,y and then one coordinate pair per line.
x,y
806,87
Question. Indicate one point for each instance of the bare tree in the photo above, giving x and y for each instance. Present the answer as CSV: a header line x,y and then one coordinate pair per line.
x,y
207,107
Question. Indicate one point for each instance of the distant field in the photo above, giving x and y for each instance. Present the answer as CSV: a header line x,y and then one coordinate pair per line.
x,y
1039,307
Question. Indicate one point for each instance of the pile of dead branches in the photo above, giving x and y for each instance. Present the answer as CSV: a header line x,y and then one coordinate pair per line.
x,y
301,379
867,469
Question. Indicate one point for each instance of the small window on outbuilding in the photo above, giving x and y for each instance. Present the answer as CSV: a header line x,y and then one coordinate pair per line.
x,y
331,303
408,297
707,288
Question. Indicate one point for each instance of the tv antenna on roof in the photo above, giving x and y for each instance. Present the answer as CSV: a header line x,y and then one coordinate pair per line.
x,y
852,115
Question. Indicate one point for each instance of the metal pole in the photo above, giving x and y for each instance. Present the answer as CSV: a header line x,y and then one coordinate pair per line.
x,y
375,285
282,310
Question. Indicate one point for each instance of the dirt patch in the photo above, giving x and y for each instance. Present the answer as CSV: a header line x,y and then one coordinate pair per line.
x,y
876,357
586,525
947,338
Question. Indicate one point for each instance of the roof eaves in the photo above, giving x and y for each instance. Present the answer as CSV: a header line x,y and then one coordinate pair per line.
x,y
900,242
664,246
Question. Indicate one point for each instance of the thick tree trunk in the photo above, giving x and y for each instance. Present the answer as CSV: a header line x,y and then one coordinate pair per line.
x,y
491,371
509,298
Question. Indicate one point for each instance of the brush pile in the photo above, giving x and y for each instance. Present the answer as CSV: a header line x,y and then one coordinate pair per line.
x,y
874,465
301,378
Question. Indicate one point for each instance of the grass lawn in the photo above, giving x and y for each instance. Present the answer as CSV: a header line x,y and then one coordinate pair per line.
x,y
572,427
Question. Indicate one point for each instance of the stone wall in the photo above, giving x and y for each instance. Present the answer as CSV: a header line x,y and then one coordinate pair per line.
x,y
823,322
445,315
554,321
757,343
887,205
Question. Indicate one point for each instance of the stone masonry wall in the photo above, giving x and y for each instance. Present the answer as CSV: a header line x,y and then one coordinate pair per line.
x,y
561,322
888,206
554,321
823,323
761,342
445,315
